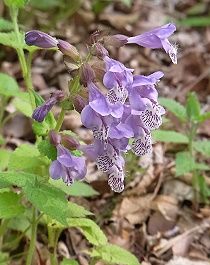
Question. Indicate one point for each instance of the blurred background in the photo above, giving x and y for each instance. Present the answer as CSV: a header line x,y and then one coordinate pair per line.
x,y
155,217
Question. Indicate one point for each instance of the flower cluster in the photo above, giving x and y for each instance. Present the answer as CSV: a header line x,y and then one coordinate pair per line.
x,y
121,115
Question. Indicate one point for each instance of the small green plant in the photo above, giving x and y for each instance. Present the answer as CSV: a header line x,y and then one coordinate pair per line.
x,y
187,160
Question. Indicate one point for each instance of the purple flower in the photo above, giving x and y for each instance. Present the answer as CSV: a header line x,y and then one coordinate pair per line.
x,y
157,38
67,166
41,111
40,39
143,92
116,74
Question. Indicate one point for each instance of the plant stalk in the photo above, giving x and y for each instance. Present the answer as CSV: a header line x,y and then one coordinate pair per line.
x,y
25,67
33,238
60,120
53,235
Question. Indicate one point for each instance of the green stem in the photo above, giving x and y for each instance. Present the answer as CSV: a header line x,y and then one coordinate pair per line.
x,y
25,67
3,228
60,120
53,235
33,238
192,134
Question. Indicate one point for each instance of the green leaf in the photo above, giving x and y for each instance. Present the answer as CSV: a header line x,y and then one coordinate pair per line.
x,y
113,254
4,258
8,85
45,4
197,9
90,229
205,116
20,179
175,107
184,163
22,103
4,158
78,188
5,25
2,141
44,196
47,149
27,158
195,21
99,5
52,202
203,187
203,147
16,3
10,205
193,107
169,136
22,223
9,39
127,2
69,262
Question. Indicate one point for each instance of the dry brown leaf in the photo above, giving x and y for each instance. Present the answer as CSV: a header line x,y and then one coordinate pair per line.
x,y
167,206
135,209
185,261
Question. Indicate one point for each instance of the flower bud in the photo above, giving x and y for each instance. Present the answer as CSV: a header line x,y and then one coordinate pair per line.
x,y
40,39
79,103
100,51
68,50
117,40
54,137
41,111
69,142
87,74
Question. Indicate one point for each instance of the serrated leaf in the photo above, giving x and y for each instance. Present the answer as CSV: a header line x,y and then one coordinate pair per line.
x,y
184,163
175,107
76,189
5,25
22,103
27,158
53,203
113,254
10,205
19,179
90,229
16,3
193,107
43,196
8,85
4,158
202,147
169,136
47,149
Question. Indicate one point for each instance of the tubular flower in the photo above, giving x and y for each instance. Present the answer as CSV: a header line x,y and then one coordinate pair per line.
x,y
157,38
67,166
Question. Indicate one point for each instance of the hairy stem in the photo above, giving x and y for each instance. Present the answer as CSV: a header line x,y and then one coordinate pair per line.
x,y
25,67
33,238
53,235
60,120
